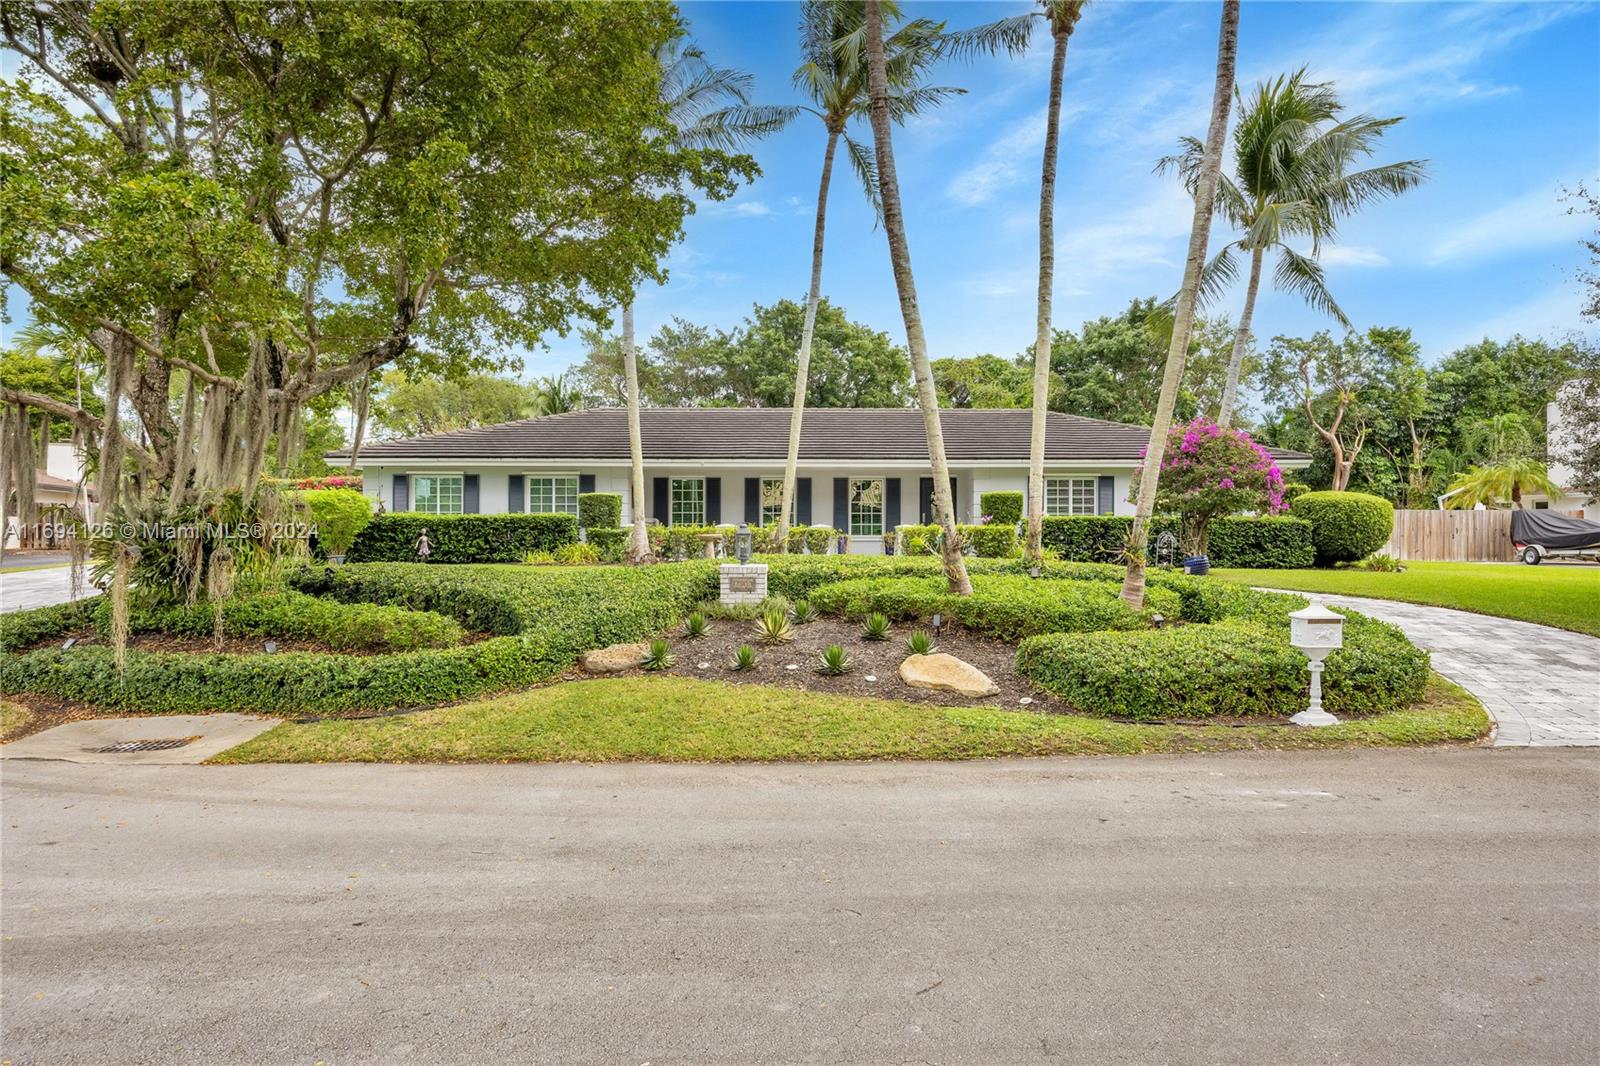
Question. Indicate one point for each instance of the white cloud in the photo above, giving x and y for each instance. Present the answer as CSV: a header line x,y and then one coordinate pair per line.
x,y
1353,255
1147,234
1550,315
1533,220
742,209
1003,163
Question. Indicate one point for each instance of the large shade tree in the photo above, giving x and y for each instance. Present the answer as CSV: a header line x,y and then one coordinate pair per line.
x,y
1292,181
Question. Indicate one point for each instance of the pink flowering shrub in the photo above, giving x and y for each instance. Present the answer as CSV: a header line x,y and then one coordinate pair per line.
x,y
1209,472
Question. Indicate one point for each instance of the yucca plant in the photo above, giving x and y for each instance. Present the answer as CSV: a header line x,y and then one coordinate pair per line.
x,y
803,612
774,626
876,627
919,643
696,625
835,661
658,656
743,659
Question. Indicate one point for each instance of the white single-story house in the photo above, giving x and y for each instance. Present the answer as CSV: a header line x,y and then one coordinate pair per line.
x,y
862,470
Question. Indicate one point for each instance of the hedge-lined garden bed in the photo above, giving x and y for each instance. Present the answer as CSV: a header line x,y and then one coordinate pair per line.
x,y
462,538
1276,543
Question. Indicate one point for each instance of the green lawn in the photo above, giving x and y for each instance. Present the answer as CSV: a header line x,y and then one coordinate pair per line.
x,y
672,719
1563,595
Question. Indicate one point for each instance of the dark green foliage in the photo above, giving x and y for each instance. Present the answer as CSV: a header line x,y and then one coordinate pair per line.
x,y
289,615
696,625
744,658
802,612
1345,526
876,627
466,538
1275,543
919,643
835,661
658,656
1003,508
992,541
1236,668
599,510
1293,490
19,629
611,543
337,515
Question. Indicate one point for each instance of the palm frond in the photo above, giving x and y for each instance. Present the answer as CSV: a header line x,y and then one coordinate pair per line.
x,y
1216,277
1010,35
909,102
1349,192
735,127
865,163
1303,276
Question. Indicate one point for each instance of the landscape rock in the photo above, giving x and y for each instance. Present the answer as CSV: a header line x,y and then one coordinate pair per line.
x,y
612,660
941,671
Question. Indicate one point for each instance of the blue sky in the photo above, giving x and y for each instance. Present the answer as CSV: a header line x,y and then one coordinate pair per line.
x,y
1504,100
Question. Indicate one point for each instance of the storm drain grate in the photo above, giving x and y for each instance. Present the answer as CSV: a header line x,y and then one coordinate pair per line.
x,y
159,744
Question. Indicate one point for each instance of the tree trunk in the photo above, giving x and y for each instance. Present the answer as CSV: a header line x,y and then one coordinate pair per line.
x,y
1061,30
1183,317
363,392
894,225
803,358
1241,340
639,544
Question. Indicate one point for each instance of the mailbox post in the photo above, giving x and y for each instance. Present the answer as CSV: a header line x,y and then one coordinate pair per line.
x,y
1316,631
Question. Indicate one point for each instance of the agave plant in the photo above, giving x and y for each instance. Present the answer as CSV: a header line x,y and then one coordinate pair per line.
x,y
802,612
743,659
876,627
696,625
774,626
658,656
835,661
919,643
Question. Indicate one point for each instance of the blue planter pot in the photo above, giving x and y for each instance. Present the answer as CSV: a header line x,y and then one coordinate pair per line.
x,y
1197,565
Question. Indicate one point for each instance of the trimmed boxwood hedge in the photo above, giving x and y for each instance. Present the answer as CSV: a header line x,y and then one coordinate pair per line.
x,y
1234,668
290,615
1346,527
599,510
1004,508
18,629
1279,542
462,538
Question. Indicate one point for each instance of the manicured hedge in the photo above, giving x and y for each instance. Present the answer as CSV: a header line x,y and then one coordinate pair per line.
x,y
289,615
1234,668
19,629
683,542
464,538
1276,543
338,516
988,541
600,509
1346,527
1003,508
611,543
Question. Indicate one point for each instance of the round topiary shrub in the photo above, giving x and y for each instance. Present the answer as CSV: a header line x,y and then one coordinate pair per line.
x,y
1345,526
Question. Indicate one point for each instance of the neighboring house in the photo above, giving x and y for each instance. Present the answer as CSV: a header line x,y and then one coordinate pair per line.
x,y
1559,437
862,470
57,483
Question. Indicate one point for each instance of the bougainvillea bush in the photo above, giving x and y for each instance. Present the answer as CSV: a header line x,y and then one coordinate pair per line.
x,y
1209,471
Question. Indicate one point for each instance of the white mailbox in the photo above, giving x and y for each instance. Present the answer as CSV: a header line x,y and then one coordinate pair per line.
x,y
1317,632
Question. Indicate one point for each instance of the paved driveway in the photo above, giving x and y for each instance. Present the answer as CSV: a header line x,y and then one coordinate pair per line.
x,y
36,588
1541,684
1371,907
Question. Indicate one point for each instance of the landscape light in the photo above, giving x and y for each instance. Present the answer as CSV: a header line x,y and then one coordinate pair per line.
x,y
938,620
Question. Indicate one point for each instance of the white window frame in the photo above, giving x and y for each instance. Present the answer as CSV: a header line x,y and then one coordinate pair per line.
x,y
672,501
527,494
436,476
794,504
1068,489
882,504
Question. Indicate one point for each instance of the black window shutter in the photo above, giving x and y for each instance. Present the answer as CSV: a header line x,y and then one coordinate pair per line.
x,y
891,504
663,515
516,494
924,501
585,482
713,500
1106,490
802,500
841,504
469,494
752,500
400,498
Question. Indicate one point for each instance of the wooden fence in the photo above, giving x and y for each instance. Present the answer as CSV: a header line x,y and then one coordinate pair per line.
x,y
1452,536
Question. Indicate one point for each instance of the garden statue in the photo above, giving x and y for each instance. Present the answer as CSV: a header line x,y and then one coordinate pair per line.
x,y
424,546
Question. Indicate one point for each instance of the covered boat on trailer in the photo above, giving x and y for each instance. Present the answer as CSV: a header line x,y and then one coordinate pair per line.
x,y
1538,535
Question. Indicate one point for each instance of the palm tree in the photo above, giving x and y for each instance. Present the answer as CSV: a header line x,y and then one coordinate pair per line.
x,y
552,395
836,82
1292,180
1499,436
1205,191
1501,482
894,225
706,107
1063,15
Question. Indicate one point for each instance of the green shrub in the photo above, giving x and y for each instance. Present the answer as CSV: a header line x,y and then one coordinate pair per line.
x,y
1276,543
658,656
744,658
1345,526
599,510
337,515
1003,508
876,627
19,629
465,538
835,661
1234,668
1293,490
289,615
991,541
611,543
912,540
919,643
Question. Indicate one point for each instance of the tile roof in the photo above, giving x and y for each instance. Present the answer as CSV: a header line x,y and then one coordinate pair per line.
x,y
712,433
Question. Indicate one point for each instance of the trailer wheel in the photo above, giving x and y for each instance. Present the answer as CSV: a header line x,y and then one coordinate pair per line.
x,y
1530,555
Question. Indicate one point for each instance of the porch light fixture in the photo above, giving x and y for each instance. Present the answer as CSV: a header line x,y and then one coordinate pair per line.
x,y
1317,632
741,541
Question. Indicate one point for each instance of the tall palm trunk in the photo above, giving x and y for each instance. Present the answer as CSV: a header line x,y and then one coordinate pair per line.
x,y
639,544
803,357
894,224
1183,317
1241,340
1061,29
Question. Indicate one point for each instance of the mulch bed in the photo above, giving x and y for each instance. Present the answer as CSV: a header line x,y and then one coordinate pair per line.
x,y
871,658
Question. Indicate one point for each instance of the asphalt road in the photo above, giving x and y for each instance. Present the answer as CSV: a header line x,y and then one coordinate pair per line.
x,y
1367,907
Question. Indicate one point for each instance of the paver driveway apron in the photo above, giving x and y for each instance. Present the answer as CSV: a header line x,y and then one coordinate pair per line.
x,y
1541,684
